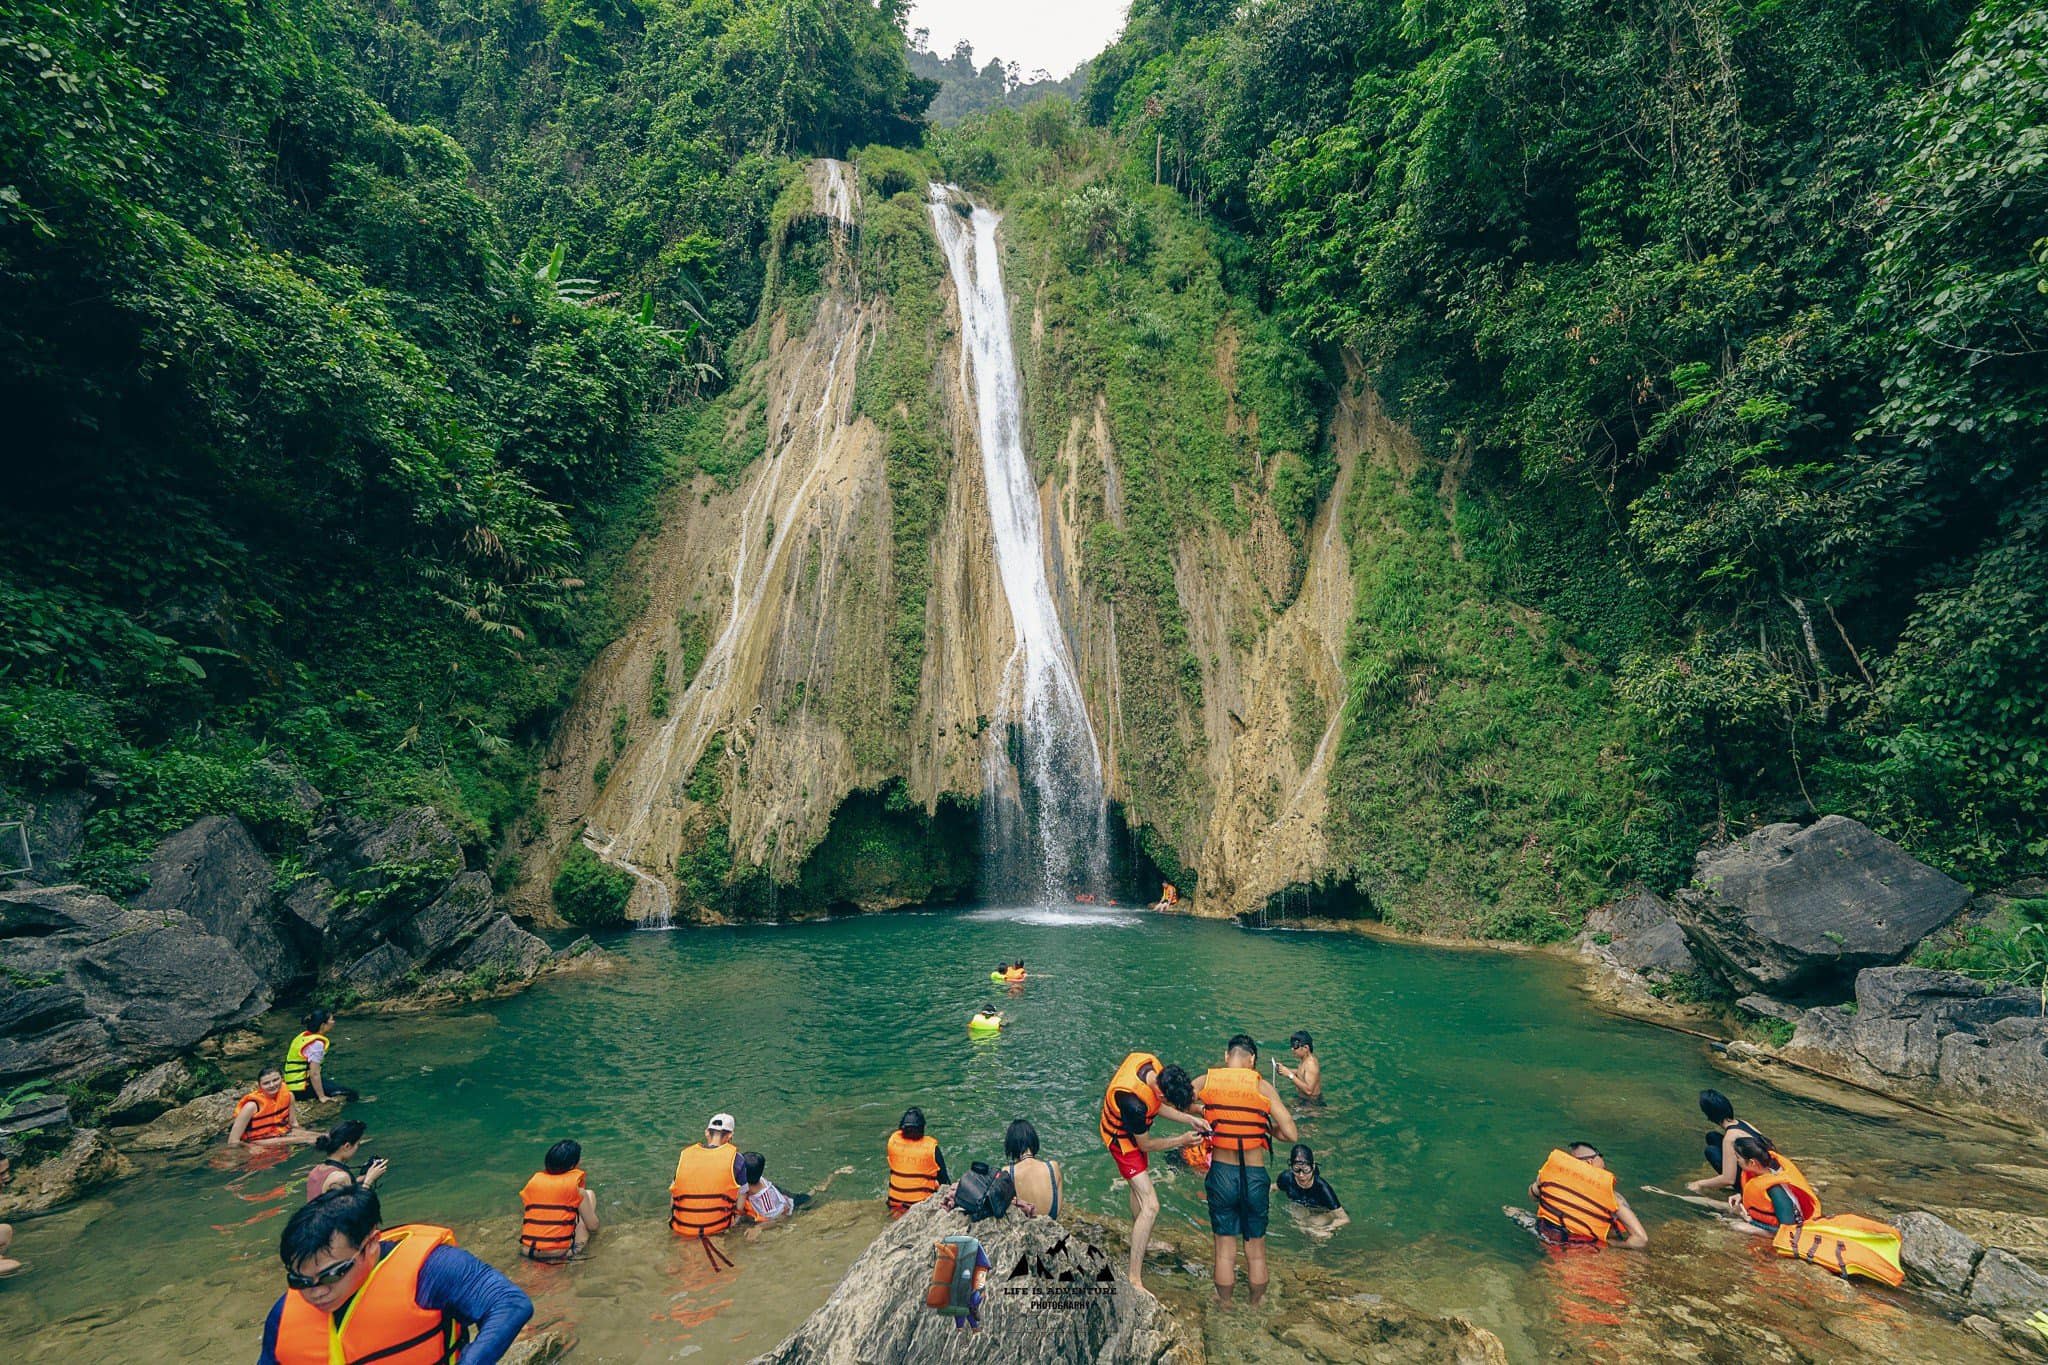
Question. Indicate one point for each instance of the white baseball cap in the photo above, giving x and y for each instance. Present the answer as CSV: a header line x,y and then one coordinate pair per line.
x,y
720,1123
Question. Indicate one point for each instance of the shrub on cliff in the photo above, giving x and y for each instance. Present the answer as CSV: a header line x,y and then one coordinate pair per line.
x,y
590,893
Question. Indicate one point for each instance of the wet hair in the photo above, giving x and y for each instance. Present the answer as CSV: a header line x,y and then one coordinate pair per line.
x,y
1002,966
912,1122
352,1211
1301,1039
1020,964
1242,1042
1301,1153
1751,1149
341,1135
755,1163
1583,1150
1716,1107
1020,1140
269,1071
318,1016
1175,1085
563,1157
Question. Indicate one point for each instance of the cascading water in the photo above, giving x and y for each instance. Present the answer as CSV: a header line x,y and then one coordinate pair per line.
x,y
1044,818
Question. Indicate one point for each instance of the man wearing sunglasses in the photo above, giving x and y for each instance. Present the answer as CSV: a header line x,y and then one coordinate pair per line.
x,y
357,1290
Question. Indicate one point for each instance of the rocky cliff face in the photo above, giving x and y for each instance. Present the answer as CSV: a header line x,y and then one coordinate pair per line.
x,y
837,661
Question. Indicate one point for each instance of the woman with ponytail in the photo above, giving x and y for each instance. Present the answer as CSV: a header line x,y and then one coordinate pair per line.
x,y
332,1171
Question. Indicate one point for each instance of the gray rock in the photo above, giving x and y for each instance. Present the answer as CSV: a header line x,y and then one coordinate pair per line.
x,y
878,1314
452,923
380,972
2006,1287
88,1161
1642,936
36,1114
507,951
55,827
1770,1009
212,871
1934,1253
125,986
192,1124
1796,913
156,1091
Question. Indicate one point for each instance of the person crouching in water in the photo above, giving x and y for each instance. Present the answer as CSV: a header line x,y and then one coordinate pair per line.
x,y
337,1149
1244,1111
1576,1204
357,1290
1303,1184
916,1165
265,1117
558,1208
1774,1190
1142,1090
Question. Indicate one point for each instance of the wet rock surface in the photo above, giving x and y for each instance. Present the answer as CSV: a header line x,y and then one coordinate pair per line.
x,y
1941,1034
191,1124
1795,913
87,1161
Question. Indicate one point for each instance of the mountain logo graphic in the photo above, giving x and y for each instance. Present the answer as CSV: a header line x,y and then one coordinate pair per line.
x,y
1064,1262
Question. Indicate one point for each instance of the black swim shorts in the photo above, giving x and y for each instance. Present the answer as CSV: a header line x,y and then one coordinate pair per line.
x,y
1239,1199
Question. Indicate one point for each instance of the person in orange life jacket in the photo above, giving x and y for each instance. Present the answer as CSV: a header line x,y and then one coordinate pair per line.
x,y
1720,1140
332,1171
696,1212
916,1165
1244,1111
1620,1218
558,1211
1774,1191
265,1117
1142,1091
404,1295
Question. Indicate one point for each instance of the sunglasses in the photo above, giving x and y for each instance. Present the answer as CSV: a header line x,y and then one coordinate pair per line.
x,y
337,1271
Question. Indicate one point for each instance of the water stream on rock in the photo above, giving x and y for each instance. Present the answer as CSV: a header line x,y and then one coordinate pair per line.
x,y
1449,1074
1045,823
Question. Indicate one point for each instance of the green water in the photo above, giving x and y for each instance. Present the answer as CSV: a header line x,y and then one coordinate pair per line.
x,y
1449,1074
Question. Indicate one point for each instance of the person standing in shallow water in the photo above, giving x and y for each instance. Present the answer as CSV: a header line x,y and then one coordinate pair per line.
x,y
1141,1091
1308,1080
1244,1111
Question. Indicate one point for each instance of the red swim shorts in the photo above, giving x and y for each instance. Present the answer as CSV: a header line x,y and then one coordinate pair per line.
x,y
1131,1164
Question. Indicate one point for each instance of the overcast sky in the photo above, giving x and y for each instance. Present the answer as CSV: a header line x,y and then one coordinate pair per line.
x,y
1058,35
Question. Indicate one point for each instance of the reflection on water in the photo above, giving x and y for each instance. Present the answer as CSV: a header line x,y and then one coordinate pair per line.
x,y
1449,1075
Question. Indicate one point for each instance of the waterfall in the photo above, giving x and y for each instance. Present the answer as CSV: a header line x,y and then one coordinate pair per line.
x,y
1044,819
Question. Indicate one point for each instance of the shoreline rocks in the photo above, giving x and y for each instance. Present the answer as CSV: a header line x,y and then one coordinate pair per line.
x,y
1637,944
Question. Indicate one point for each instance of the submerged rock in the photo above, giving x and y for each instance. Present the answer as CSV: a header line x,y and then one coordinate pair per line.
x,y
1794,912
1049,1296
89,1160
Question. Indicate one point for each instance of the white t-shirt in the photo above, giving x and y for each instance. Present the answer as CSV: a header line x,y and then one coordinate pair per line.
x,y
770,1203
313,1051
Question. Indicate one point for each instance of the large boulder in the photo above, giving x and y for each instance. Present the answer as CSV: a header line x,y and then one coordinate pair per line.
x,y
1050,1296
1796,913
212,871
88,1161
192,1124
1942,1034
87,985
53,823
155,1091
1637,943
1935,1254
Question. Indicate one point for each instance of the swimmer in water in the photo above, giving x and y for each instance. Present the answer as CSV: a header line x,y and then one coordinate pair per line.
x,y
1308,1080
1303,1184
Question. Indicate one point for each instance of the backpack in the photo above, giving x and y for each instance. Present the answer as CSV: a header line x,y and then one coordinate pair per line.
x,y
958,1269
980,1195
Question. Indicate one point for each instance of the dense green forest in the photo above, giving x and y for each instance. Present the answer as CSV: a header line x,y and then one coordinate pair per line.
x,y
348,342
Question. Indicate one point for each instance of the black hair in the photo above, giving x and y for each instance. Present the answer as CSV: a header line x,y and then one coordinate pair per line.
x,y
1301,1039
1021,1140
755,1163
1242,1042
1020,964
1587,1147
1002,966
912,1122
1716,1107
352,1211
341,1135
271,1069
1302,1152
317,1016
563,1157
1757,1150
1175,1085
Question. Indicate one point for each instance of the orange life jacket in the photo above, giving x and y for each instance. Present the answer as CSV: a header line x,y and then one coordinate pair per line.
x,y
273,1116
1846,1244
913,1170
1199,1157
700,1198
1756,1193
1169,894
551,1203
1577,1198
1237,1109
1111,1122
384,1321
1014,974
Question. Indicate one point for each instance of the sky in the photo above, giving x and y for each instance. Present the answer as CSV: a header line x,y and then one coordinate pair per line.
x,y
1058,35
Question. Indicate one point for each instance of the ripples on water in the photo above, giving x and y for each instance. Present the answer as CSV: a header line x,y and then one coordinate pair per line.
x,y
1449,1075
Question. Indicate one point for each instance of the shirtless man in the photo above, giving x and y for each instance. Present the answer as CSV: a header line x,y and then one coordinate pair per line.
x,y
1308,1081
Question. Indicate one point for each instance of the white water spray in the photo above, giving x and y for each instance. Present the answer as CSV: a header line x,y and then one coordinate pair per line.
x,y
1046,835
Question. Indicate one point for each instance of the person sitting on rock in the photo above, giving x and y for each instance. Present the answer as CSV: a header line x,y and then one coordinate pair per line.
x,y
305,1061
1775,1192
916,1165
1039,1183
1720,1139
7,1266
332,1171
1576,1202
763,1203
265,1117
